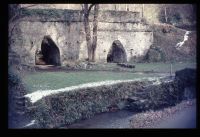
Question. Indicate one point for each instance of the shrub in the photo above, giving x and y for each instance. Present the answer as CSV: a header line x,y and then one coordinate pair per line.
x,y
68,107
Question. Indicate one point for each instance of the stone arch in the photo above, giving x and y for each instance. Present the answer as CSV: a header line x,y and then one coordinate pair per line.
x,y
49,53
117,53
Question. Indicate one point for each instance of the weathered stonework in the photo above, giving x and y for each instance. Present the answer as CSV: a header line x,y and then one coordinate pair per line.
x,y
66,29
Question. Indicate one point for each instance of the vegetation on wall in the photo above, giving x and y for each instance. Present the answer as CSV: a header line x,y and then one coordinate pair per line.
x,y
65,108
16,103
155,54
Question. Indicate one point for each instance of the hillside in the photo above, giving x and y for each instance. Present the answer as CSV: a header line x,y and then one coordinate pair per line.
x,y
166,38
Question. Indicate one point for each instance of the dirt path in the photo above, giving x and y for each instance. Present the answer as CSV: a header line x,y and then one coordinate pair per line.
x,y
184,119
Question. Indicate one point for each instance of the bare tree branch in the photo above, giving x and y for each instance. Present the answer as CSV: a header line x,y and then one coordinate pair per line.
x,y
90,7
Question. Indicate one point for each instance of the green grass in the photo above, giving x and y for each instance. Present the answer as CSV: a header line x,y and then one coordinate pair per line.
x,y
163,67
56,80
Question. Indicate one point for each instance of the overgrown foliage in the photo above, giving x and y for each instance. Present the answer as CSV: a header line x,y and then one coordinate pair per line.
x,y
16,91
156,97
165,94
68,107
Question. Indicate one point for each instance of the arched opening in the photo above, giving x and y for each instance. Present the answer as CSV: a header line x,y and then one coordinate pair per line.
x,y
117,53
49,53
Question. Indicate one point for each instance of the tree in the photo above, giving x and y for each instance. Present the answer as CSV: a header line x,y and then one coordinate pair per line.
x,y
91,43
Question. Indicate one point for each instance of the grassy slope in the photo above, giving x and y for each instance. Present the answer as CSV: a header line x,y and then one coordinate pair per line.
x,y
167,42
55,80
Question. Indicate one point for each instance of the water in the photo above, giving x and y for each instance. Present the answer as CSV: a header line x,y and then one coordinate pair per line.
x,y
119,119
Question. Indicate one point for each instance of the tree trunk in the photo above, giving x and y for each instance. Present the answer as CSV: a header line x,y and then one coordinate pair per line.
x,y
87,31
95,27
91,43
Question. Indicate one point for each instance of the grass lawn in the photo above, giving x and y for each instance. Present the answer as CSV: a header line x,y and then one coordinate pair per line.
x,y
56,80
163,67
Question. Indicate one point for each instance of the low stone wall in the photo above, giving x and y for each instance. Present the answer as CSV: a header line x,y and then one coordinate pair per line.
x,y
65,108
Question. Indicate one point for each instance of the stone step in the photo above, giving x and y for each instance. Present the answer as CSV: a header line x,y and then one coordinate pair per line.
x,y
31,108
19,107
19,98
20,113
20,103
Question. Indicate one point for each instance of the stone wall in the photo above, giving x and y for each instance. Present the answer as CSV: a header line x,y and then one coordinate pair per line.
x,y
151,12
66,29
